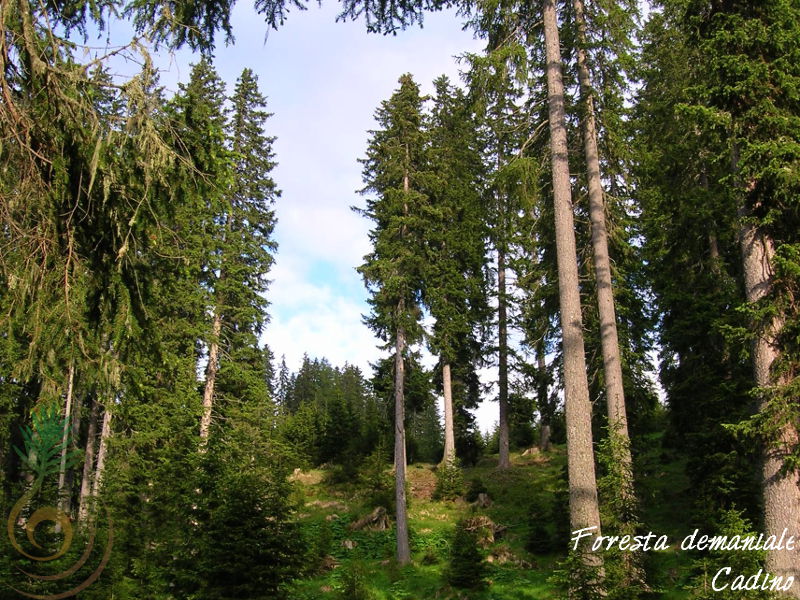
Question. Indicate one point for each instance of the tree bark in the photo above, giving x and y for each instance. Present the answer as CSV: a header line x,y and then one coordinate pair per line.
x,y
211,377
72,474
401,517
583,504
781,493
403,549
504,461
105,433
609,339
63,497
449,435
88,464
545,410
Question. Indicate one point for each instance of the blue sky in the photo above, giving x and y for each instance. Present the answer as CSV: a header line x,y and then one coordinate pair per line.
x,y
323,81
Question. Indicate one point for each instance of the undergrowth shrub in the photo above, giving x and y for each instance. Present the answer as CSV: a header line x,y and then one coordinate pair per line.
x,y
351,581
476,488
559,515
707,564
539,540
376,482
434,546
344,472
625,577
467,567
323,544
576,580
449,481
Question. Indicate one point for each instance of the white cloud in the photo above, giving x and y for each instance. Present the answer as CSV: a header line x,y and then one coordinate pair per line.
x,y
332,329
323,81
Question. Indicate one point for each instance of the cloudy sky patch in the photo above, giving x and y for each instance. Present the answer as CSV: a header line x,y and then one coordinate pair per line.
x,y
324,81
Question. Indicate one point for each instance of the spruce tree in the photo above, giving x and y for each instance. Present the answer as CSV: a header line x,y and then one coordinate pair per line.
x,y
612,358
584,510
498,81
202,123
751,55
395,171
719,110
693,267
454,287
467,566
246,250
603,37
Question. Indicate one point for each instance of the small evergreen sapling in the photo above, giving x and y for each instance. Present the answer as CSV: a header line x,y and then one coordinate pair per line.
x,y
352,582
449,481
476,488
375,480
707,565
467,567
577,580
540,540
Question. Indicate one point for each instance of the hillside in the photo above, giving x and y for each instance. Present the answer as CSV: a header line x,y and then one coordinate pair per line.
x,y
524,501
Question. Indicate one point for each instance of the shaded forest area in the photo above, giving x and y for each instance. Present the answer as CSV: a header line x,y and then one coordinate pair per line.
x,y
604,196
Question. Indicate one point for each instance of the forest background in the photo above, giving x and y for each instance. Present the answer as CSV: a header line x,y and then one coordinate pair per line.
x,y
141,386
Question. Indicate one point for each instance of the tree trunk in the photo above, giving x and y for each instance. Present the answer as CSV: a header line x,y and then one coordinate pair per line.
x,y
449,436
544,436
401,518
211,377
713,249
63,496
781,493
69,484
504,461
545,410
88,464
403,550
609,340
583,505
105,433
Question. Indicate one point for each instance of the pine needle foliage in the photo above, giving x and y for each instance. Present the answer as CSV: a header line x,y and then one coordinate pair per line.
x,y
707,564
397,172
449,481
467,567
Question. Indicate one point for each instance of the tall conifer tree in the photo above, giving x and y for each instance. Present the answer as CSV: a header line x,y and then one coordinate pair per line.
x,y
612,359
202,127
584,509
694,269
752,53
246,248
395,171
498,82
454,288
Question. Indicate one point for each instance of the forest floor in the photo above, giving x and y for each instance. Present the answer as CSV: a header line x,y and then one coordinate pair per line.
x,y
358,564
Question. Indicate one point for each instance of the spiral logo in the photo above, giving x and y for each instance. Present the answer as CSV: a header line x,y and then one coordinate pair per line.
x,y
45,454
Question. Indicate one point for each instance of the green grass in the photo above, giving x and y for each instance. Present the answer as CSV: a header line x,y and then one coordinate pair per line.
x,y
514,573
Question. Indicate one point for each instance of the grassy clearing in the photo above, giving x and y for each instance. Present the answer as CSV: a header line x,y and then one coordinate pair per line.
x,y
359,565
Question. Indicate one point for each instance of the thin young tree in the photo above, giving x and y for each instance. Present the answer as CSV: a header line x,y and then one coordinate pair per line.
x,y
497,80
